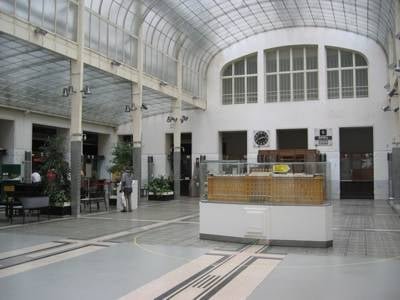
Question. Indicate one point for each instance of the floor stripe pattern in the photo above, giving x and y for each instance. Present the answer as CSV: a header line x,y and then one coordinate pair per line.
x,y
29,258
215,275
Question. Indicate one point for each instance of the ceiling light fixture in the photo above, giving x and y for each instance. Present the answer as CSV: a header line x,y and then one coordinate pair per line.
x,y
396,109
115,63
163,83
67,91
86,90
386,108
40,31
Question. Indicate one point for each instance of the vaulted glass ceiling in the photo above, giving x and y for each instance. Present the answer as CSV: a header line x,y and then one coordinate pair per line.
x,y
199,29
191,30
33,79
196,30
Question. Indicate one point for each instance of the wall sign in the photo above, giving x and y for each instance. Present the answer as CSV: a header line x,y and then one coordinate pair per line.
x,y
323,136
261,138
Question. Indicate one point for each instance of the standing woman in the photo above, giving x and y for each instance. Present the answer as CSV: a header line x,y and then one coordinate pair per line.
x,y
126,187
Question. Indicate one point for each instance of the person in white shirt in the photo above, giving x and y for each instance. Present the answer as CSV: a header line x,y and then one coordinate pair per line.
x,y
36,178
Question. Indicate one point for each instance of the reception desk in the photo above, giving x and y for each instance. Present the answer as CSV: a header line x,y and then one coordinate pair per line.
x,y
273,189
269,203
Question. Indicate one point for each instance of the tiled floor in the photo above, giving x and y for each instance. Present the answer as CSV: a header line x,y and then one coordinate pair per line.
x,y
109,255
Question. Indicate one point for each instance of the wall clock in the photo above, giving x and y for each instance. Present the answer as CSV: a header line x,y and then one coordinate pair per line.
x,y
261,138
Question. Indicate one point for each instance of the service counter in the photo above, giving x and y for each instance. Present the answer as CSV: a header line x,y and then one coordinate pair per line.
x,y
288,209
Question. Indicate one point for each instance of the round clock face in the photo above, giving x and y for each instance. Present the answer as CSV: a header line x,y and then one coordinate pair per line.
x,y
261,138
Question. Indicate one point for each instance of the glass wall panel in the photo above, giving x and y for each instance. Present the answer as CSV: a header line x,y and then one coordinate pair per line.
x,y
284,87
346,58
361,82
348,78
298,58
22,9
271,61
312,85
312,58
239,90
252,89
272,88
284,59
251,64
227,91
49,15
296,65
333,84
239,67
347,84
298,86
332,58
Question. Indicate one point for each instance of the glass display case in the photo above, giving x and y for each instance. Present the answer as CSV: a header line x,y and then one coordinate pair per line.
x,y
304,183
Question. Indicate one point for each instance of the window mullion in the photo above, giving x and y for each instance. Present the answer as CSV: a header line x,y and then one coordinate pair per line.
x,y
245,80
305,74
340,74
278,81
354,76
291,72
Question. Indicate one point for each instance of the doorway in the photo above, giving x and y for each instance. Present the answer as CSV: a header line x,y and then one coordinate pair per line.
x,y
6,142
233,145
292,139
186,159
356,163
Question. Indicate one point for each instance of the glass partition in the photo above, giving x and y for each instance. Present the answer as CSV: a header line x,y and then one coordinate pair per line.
x,y
304,183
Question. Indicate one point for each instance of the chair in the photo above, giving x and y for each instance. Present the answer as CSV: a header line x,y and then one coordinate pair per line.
x,y
34,203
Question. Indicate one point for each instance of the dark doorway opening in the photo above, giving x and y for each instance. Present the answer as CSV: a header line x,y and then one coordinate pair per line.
x,y
186,159
292,139
40,138
233,145
356,163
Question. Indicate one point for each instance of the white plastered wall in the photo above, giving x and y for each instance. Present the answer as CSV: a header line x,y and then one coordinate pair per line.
x,y
324,113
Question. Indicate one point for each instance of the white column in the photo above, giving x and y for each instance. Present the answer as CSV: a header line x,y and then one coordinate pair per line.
x,y
177,113
76,114
137,101
397,59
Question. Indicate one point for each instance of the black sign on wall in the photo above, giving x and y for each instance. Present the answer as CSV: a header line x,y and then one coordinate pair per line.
x,y
323,137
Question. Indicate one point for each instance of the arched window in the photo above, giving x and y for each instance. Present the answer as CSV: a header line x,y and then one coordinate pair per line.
x,y
239,81
347,74
291,74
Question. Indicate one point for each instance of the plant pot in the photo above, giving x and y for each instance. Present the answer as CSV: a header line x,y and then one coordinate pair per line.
x,y
60,209
161,196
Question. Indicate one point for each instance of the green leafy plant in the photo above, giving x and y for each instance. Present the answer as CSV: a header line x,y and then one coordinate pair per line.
x,y
57,187
122,157
159,185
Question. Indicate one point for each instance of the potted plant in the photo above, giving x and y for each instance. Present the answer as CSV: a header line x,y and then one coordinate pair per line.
x,y
122,157
160,188
56,181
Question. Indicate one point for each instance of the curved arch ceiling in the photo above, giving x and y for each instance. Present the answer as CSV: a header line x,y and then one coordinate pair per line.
x,y
199,29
